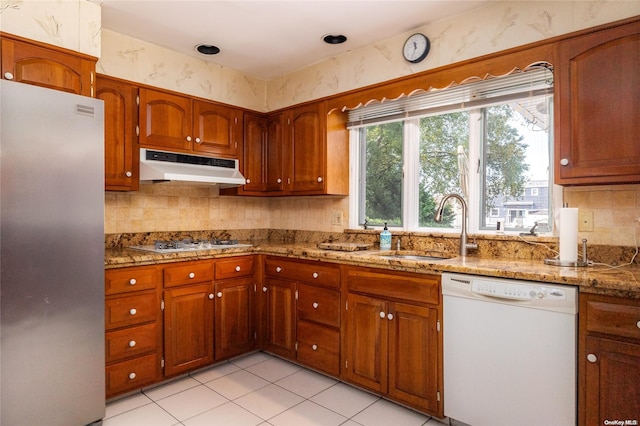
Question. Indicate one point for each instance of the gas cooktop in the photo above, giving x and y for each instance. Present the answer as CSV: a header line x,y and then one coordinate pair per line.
x,y
188,245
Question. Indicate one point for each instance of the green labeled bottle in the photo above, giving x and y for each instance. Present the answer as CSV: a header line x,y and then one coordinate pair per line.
x,y
385,238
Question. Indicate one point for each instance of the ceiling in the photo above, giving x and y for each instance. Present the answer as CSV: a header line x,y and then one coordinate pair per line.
x,y
265,39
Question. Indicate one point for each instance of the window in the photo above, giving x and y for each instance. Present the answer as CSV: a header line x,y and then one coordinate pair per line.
x,y
493,147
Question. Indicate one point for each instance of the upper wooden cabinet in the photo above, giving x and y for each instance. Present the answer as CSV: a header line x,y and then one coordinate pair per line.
x,y
121,162
262,161
597,99
179,123
41,64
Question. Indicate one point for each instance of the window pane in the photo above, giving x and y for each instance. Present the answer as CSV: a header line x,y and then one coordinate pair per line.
x,y
382,177
439,171
516,157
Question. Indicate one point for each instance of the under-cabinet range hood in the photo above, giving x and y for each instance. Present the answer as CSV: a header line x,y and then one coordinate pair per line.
x,y
162,166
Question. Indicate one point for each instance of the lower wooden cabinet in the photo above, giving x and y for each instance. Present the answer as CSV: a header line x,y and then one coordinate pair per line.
x,y
608,360
279,315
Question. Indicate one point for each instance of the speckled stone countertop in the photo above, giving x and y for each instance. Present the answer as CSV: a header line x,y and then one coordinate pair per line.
x,y
623,281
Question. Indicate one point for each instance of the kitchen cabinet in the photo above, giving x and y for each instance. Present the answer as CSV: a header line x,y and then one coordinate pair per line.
x,y
597,87
45,65
178,123
303,312
235,307
188,316
391,339
133,328
608,359
121,163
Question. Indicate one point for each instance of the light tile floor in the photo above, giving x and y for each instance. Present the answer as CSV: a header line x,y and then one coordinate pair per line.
x,y
258,389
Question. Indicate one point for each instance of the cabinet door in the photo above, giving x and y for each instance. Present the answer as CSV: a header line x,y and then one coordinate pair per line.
x,y
234,318
597,92
188,328
217,129
366,342
280,317
612,372
273,160
413,355
165,121
47,67
121,162
306,149
255,134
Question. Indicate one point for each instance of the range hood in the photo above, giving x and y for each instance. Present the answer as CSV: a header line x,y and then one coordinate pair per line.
x,y
162,166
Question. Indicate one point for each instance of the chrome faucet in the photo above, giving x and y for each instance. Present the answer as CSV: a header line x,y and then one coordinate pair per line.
x,y
464,246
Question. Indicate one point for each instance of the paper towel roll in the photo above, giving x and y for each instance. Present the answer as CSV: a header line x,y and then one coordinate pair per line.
x,y
568,234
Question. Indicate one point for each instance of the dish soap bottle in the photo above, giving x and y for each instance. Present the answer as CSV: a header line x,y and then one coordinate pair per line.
x,y
385,238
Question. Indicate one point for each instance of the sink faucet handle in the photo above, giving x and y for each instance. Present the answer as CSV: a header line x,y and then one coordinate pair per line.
x,y
398,244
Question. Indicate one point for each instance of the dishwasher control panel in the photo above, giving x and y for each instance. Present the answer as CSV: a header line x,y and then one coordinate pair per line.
x,y
511,290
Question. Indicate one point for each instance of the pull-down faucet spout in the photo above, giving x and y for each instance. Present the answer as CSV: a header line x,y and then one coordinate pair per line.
x,y
464,246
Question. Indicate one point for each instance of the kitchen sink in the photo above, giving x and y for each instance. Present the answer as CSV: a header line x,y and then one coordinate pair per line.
x,y
408,255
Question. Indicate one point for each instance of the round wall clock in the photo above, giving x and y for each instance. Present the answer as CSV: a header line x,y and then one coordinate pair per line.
x,y
416,48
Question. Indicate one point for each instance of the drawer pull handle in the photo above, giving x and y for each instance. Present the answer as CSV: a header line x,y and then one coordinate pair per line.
x,y
238,268
133,311
132,343
279,180
319,178
638,324
192,275
132,376
219,294
315,305
128,174
211,296
592,358
315,275
132,281
188,138
314,347
382,314
278,269
264,289
8,75
390,317
564,162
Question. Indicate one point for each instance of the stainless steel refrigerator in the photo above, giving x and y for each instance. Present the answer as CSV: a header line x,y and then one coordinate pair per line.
x,y
51,257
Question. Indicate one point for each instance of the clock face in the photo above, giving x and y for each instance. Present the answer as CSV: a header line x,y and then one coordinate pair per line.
x,y
416,48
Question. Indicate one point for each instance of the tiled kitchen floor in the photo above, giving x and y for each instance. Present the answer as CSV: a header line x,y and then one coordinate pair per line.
x,y
258,389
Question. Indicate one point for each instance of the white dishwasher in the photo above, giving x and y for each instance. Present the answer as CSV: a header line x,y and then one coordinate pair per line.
x,y
509,351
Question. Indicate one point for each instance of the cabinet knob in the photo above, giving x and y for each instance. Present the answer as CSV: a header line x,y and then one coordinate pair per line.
x,y
390,317
264,289
247,180
319,178
638,324
238,268
133,311
278,269
314,347
128,174
8,75
315,305
132,376
192,275
315,275
564,162
592,358
132,343
188,138
198,140
132,281
382,314
279,180
211,296
219,294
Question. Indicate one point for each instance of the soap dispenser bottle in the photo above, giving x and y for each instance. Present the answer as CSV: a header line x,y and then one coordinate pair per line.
x,y
385,238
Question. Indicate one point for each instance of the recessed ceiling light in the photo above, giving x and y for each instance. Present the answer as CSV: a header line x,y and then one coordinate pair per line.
x,y
207,49
334,39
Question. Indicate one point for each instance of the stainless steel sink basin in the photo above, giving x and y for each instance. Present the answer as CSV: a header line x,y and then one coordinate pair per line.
x,y
406,255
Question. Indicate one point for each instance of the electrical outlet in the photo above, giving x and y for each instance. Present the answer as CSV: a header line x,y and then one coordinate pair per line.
x,y
336,217
585,221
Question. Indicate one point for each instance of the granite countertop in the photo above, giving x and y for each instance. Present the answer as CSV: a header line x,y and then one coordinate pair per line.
x,y
623,281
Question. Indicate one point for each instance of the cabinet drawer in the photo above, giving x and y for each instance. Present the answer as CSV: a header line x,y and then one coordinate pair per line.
x,y
131,279
131,310
314,272
414,288
129,342
318,304
133,374
188,273
319,347
612,318
234,267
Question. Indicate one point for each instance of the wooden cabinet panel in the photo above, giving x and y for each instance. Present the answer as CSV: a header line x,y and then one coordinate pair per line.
x,y
320,305
130,342
253,163
235,332
131,310
301,271
122,156
305,147
273,156
217,129
165,120
47,66
131,279
132,374
398,286
280,317
188,273
319,347
235,267
188,328
596,103
611,318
